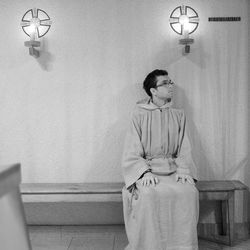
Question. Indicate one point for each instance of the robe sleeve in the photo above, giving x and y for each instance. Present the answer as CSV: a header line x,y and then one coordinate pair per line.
x,y
133,162
184,160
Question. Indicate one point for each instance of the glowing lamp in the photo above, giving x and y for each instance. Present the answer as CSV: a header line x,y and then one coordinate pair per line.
x,y
35,24
184,20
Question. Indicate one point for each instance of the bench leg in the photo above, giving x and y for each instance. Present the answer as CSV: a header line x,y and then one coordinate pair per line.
x,y
231,218
224,214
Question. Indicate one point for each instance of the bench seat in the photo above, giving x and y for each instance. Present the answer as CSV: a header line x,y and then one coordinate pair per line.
x,y
71,192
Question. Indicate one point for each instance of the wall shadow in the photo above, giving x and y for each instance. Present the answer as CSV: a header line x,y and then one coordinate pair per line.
x,y
171,52
115,134
209,211
199,155
198,54
110,149
46,59
247,172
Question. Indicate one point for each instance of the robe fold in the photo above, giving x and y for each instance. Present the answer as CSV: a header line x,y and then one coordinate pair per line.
x,y
163,217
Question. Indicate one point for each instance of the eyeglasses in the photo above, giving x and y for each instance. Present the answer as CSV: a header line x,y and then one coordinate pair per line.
x,y
165,83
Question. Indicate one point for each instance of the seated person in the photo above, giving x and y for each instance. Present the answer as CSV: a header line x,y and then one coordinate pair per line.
x,y
160,200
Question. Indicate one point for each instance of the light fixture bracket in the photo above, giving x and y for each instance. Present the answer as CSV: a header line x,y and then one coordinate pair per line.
x,y
32,43
186,41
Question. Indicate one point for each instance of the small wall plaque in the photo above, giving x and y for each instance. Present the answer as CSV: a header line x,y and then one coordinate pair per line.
x,y
225,19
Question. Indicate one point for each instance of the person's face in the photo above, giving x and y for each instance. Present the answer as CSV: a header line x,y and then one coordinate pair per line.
x,y
164,88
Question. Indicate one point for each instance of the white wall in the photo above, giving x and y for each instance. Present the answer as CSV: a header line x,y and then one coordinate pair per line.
x,y
64,115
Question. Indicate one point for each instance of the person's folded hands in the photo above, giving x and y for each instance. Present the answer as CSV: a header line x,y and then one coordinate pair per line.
x,y
183,178
149,179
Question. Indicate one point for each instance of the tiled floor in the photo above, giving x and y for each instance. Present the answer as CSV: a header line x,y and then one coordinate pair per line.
x,y
98,238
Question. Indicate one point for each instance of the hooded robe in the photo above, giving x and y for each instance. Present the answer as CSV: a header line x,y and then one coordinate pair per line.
x,y
165,216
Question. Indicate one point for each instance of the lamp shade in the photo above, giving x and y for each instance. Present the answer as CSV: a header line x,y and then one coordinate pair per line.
x,y
36,21
184,18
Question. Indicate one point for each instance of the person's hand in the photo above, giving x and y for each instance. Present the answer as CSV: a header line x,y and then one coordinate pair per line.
x,y
183,178
149,179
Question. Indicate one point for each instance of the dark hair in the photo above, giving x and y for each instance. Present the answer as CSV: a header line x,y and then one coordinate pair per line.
x,y
150,81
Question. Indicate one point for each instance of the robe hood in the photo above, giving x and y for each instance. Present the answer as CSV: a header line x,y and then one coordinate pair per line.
x,y
149,105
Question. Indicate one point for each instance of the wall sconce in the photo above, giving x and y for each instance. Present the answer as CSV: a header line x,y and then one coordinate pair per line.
x,y
184,20
35,24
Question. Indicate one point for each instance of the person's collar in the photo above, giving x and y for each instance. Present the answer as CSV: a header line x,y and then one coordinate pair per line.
x,y
166,105
149,105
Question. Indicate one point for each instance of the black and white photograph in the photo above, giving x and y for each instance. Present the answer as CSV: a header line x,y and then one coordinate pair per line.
x,y
125,125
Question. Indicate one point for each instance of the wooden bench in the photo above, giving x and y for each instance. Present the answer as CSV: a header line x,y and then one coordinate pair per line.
x,y
223,191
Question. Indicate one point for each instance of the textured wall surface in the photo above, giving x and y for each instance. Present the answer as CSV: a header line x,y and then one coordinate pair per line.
x,y
64,115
